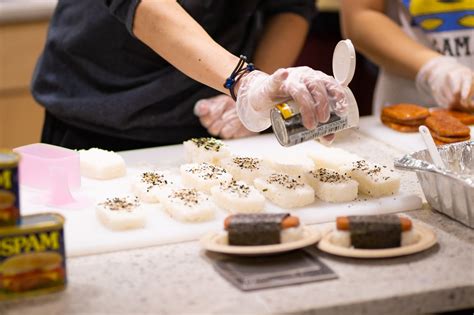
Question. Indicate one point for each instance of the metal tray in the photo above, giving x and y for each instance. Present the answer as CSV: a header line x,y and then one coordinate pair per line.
x,y
450,191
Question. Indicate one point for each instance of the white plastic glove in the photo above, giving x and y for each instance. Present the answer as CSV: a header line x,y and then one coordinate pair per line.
x,y
311,90
219,116
447,81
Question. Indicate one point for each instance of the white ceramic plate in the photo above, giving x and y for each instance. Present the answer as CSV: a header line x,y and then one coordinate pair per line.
x,y
217,242
426,240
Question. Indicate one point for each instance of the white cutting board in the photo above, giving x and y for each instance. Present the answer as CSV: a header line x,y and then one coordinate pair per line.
x,y
85,235
402,141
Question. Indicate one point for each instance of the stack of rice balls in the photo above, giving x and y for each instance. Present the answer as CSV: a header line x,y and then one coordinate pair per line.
x,y
213,177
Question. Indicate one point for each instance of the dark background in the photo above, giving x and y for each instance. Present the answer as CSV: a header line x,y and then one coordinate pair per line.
x,y
317,53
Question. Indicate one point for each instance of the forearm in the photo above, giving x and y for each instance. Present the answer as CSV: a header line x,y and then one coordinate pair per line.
x,y
171,32
281,42
382,40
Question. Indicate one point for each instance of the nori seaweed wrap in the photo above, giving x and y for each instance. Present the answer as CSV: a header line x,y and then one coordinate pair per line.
x,y
375,232
255,229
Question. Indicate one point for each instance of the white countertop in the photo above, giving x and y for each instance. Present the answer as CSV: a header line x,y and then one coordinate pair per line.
x,y
178,279
13,11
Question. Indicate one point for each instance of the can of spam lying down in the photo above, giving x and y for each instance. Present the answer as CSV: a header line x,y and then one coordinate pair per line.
x,y
9,190
32,257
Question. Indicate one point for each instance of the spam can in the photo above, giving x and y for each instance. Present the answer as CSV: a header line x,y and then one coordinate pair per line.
x,y
32,257
9,190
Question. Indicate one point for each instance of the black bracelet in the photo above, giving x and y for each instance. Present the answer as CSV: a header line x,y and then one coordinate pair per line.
x,y
237,74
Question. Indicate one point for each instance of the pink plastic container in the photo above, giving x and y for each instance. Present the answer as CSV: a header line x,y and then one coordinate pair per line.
x,y
51,168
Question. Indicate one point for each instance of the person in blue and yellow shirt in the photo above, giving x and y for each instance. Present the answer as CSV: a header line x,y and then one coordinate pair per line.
x,y
425,49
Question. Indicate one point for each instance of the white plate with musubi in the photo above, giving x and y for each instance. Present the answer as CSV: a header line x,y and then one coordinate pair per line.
x,y
426,238
218,242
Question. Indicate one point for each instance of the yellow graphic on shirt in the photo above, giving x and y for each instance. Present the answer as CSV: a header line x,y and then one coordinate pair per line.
x,y
425,7
441,15
467,21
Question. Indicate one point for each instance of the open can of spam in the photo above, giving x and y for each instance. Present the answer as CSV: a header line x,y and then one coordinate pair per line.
x,y
9,190
32,257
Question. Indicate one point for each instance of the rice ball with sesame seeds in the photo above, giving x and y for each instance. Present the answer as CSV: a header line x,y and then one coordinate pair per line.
x,y
203,176
374,179
188,205
285,191
238,197
244,168
148,185
331,186
209,150
121,213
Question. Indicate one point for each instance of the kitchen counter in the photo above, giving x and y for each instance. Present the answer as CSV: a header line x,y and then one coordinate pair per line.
x,y
178,279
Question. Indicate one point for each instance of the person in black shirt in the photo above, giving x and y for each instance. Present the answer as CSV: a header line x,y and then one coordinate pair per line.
x,y
126,74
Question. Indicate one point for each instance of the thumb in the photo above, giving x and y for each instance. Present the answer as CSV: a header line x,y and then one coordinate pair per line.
x,y
275,81
201,108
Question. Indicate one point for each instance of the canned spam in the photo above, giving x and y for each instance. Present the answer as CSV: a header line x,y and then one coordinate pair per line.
x,y
9,190
289,130
32,257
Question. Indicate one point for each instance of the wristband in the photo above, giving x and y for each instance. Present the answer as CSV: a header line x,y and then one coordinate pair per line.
x,y
237,74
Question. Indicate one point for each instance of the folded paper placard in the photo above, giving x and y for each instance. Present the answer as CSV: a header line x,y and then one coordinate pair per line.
x,y
252,273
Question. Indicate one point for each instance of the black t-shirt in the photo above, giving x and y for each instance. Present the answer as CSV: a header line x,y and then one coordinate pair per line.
x,y
94,74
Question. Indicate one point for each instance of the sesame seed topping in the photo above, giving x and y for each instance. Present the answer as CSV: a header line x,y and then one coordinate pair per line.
x,y
374,171
207,171
328,176
239,189
247,163
210,144
121,204
284,180
153,179
189,197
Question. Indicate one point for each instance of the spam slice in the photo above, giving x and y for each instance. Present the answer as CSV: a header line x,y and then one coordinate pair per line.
x,y
464,117
262,229
404,113
238,197
285,191
447,126
374,232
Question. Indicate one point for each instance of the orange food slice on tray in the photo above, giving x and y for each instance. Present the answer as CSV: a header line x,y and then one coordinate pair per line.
x,y
399,127
405,113
447,126
464,117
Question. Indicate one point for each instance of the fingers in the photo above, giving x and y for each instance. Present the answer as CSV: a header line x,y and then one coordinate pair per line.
x,y
275,82
321,102
304,99
328,139
211,109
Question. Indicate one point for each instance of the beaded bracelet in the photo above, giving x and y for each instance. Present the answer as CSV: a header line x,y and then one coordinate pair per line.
x,y
237,74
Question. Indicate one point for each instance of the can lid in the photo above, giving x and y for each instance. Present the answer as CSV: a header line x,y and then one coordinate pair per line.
x,y
344,62
8,158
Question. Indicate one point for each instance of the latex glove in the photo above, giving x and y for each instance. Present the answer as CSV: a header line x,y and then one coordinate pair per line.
x,y
219,116
447,81
313,91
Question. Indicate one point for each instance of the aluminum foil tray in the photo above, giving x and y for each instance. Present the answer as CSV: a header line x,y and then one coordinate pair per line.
x,y
450,191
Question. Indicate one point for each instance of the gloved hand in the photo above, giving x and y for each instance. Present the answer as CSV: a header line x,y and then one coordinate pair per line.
x,y
447,81
312,91
219,116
